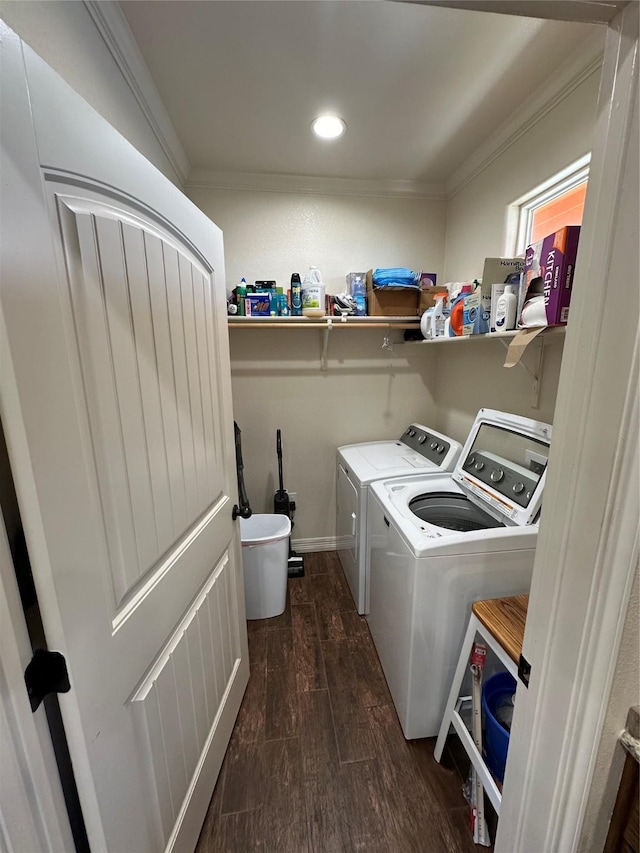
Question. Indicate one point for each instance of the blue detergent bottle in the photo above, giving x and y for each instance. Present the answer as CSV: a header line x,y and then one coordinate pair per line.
x,y
359,293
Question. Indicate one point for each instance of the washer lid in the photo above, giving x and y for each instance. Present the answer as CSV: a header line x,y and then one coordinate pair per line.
x,y
503,464
419,449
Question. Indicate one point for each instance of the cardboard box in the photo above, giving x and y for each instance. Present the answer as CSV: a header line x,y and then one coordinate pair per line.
x,y
428,296
549,266
391,301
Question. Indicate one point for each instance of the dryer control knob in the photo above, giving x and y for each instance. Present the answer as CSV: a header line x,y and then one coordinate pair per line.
x,y
408,431
471,460
412,432
479,465
441,448
518,488
433,445
497,474
422,439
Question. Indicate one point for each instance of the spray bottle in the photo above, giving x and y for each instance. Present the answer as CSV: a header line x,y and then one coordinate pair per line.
x,y
296,295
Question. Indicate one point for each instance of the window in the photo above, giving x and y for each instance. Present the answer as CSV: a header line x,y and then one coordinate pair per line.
x,y
545,209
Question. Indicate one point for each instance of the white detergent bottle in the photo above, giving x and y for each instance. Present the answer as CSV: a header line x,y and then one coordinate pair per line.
x,y
506,310
438,318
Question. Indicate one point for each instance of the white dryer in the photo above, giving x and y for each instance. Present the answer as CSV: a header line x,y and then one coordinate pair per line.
x,y
419,449
437,544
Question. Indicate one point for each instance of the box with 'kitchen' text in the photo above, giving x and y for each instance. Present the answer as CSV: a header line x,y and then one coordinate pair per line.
x,y
549,267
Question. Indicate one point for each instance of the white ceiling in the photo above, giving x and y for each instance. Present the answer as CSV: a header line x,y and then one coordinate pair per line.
x,y
420,87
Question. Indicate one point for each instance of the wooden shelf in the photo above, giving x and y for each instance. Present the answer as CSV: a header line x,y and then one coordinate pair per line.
x,y
552,331
323,323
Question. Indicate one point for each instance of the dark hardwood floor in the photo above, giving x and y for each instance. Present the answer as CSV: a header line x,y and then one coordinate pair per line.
x,y
317,760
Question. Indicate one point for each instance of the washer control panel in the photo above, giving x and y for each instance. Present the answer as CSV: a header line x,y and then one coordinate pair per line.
x,y
430,445
514,483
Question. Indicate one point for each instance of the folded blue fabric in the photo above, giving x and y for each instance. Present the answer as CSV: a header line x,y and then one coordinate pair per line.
x,y
396,277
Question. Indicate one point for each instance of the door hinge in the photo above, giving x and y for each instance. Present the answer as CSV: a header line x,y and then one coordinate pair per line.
x,y
46,673
524,670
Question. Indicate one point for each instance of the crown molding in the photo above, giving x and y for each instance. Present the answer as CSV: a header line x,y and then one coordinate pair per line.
x,y
112,25
582,65
256,182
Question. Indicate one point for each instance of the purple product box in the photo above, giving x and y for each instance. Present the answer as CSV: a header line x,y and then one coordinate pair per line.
x,y
553,259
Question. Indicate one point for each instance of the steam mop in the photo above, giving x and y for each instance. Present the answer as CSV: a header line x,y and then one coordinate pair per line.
x,y
284,506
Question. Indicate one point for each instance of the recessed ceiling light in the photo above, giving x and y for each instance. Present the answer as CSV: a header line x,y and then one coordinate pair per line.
x,y
328,127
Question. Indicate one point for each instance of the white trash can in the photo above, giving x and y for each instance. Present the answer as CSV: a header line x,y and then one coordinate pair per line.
x,y
265,552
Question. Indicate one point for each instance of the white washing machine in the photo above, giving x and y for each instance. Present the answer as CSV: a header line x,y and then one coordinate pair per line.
x,y
419,449
437,544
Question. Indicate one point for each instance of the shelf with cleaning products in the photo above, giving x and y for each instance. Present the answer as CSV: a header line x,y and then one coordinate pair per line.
x,y
324,324
327,322
404,348
552,331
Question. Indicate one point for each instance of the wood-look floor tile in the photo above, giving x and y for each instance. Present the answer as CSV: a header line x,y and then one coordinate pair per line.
x,y
243,784
241,832
341,591
282,716
330,624
324,807
250,723
454,829
353,732
326,769
210,828
285,817
332,562
318,747
309,662
443,783
279,648
300,590
315,564
354,624
257,646
371,683
407,804
363,815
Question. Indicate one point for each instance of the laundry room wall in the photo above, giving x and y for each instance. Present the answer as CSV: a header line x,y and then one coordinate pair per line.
x,y
472,376
65,35
367,392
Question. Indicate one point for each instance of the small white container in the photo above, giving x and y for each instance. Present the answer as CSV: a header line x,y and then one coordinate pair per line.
x,y
265,552
506,310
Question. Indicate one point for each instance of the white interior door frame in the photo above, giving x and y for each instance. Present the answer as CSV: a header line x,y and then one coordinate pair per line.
x,y
32,811
587,552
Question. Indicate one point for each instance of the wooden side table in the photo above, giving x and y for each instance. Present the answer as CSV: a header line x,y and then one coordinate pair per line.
x,y
500,623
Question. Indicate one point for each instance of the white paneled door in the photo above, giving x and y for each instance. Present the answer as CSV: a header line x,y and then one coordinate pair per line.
x,y
116,403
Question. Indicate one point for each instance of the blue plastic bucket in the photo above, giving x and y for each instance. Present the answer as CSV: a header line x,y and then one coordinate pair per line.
x,y
496,737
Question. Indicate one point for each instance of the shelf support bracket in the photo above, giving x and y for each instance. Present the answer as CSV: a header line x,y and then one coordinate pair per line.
x,y
325,344
535,374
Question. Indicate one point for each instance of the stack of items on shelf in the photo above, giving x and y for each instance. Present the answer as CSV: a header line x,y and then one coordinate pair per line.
x,y
513,293
383,292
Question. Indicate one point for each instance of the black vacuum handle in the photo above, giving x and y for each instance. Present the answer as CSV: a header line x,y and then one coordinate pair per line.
x,y
244,510
279,452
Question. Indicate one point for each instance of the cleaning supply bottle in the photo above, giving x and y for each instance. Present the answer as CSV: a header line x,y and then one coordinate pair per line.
x,y
359,293
241,292
456,316
506,310
296,295
438,318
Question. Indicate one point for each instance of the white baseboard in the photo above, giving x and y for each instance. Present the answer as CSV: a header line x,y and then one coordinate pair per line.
x,y
323,543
